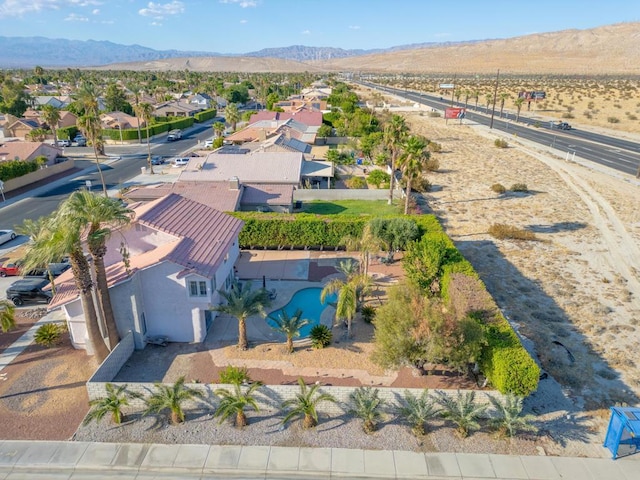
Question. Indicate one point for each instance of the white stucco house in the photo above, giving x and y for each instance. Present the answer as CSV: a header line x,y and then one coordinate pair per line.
x,y
181,253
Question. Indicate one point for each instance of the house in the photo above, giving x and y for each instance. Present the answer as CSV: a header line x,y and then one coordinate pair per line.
x,y
201,99
22,127
28,151
67,119
181,253
56,102
6,119
117,120
263,130
293,104
177,108
312,118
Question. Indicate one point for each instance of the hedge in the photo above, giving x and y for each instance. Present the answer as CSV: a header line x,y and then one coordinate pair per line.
x,y
206,115
155,128
16,168
67,133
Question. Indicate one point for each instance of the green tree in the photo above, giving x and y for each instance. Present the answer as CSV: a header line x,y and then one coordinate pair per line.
x,y
271,99
242,302
236,402
115,99
143,112
423,260
488,98
413,162
475,94
13,99
7,316
37,135
509,419
368,144
325,130
462,410
51,115
366,244
289,325
117,398
91,127
518,102
232,116
395,132
417,411
305,404
366,404
377,177
218,129
171,398
503,98
395,233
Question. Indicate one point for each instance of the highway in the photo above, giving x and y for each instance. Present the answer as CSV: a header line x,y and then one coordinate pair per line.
x,y
616,153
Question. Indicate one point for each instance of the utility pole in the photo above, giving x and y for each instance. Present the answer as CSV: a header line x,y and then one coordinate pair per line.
x,y
495,94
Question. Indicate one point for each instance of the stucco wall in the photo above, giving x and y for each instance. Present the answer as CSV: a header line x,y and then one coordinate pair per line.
x,y
115,360
333,194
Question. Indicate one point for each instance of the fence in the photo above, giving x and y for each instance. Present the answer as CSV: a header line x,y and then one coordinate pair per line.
x,y
307,195
113,363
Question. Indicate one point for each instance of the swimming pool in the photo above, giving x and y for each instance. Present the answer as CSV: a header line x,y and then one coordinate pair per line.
x,y
307,300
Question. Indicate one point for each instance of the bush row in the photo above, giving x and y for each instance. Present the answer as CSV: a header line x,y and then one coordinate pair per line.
x,y
153,129
205,115
67,133
16,168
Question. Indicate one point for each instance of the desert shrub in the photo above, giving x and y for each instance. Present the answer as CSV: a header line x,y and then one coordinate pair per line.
x,y
613,120
519,187
49,334
434,147
378,177
498,188
432,165
234,375
502,231
356,183
467,295
421,185
568,115
368,313
320,336
500,143
435,114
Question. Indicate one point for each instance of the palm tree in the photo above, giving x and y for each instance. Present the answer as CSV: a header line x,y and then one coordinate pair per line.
x,y
116,399
467,94
144,111
413,161
235,403
305,404
503,98
518,103
394,133
232,115
489,98
51,115
366,244
366,404
289,325
475,94
417,410
58,237
462,410
100,215
7,316
510,419
218,129
91,127
171,398
242,302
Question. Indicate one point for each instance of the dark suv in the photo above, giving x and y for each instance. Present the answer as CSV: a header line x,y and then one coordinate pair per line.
x,y
29,290
54,269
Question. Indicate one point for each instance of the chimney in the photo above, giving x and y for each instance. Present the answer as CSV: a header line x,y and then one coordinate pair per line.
x,y
234,183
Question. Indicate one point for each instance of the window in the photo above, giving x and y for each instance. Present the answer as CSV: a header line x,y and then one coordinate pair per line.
x,y
197,288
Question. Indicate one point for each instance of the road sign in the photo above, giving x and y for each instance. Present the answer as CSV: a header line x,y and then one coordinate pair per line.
x,y
454,112
447,86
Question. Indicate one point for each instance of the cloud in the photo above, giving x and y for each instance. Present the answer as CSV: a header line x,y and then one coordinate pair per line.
x,y
96,11
18,8
243,21
354,27
155,24
242,3
74,17
306,32
159,10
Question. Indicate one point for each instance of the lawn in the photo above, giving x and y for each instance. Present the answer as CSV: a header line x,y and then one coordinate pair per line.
x,y
351,207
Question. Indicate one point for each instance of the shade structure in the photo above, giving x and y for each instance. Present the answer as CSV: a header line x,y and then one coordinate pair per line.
x,y
623,433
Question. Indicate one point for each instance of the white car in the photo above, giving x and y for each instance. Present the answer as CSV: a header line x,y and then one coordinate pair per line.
x,y
7,236
180,162
64,142
208,143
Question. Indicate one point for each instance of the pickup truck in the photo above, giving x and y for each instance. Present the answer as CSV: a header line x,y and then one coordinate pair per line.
x,y
562,126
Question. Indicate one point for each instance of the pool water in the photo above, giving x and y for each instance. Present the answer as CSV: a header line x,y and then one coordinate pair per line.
x,y
307,300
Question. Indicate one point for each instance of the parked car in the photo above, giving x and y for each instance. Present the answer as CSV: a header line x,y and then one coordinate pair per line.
x,y
64,142
80,141
10,269
208,143
180,162
55,269
7,236
157,160
29,290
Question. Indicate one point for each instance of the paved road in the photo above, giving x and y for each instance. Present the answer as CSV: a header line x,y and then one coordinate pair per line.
x,y
619,154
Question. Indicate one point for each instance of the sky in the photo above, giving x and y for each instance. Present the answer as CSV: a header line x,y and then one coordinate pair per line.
x,y
241,26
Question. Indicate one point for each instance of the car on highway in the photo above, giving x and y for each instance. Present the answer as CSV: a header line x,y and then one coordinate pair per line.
x,y
7,236
180,161
29,290
562,126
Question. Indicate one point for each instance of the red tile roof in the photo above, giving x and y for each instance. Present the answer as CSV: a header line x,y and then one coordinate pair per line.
x,y
312,119
216,195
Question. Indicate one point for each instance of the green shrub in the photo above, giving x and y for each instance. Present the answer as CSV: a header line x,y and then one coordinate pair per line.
x,y
378,177
16,168
368,313
502,231
67,133
498,188
356,183
500,143
49,334
519,187
205,115
234,375
320,336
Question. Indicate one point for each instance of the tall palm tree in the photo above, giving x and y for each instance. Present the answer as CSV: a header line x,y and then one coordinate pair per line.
x,y
509,419
51,115
242,302
475,94
236,402
100,215
461,410
218,128
467,94
305,404
503,98
518,103
91,127
7,316
489,98
394,133
289,325
417,411
117,398
144,111
413,161
349,293
231,115
366,404
366,244
171,398
61,236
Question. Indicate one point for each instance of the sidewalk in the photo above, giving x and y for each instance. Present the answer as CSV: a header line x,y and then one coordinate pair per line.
x,y
79,460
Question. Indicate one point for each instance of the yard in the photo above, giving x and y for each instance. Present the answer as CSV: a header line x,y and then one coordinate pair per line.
x,y
352,207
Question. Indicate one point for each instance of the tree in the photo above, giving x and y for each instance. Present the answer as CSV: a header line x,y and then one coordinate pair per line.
x,y
218,129
115,99
475,94
305,404
117,398
369,142
423,260
417,411
503,98
289,325
7,316
91,127
37,135
394,133
242,302
13,99
143,112
509,420
100,215
366,404
489,98
171,398
413,161
461,410
395,233
271,99
518,103
51,115
366,244
236,402
232,116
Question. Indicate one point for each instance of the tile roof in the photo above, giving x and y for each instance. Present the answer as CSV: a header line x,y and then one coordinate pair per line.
x,y
260,194
311,118
25,150
216,195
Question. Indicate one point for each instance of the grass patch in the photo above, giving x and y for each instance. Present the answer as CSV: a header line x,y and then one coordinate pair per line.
x,y
351,207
